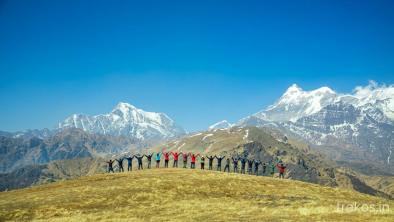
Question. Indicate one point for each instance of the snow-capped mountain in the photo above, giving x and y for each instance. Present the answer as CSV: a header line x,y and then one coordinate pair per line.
x,y
363,119
296,103
127,120
224,124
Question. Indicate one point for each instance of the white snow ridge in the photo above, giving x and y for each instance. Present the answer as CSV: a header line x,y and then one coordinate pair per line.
x,y
126,120
224,124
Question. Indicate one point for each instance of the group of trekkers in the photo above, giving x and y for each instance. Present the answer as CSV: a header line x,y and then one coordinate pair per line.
x,y
251,165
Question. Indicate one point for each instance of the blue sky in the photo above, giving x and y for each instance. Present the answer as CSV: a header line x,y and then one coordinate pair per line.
x,y
197,61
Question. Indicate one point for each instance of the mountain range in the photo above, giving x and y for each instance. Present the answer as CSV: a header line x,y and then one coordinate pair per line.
x,y
125,129
347,126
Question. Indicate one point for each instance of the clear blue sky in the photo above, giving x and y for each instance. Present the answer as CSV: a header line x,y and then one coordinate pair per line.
x,y
197,61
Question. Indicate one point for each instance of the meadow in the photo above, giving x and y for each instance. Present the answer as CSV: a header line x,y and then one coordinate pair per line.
x,y
189,195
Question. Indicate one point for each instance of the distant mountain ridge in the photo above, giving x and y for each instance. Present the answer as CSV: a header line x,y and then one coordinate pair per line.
x,y
66,144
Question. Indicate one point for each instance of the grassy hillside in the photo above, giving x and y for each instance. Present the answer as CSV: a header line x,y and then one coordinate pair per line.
x,y
186,195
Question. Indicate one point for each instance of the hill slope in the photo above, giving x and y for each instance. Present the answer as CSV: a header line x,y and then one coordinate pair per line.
x,y
184,194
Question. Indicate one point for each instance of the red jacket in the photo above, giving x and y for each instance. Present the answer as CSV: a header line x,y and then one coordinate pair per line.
x,y
281,168
193,158
166,156
176,155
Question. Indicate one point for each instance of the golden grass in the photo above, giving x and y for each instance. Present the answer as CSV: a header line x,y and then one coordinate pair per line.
x,y
185,195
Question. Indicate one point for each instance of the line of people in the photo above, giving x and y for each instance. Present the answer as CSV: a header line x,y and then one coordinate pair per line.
x,y
249,166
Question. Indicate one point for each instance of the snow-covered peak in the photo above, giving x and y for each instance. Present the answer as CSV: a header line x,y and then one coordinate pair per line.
x,y
124,107
127,120
224,124
324,90
129,112
296,103
293,90
380,96
295,95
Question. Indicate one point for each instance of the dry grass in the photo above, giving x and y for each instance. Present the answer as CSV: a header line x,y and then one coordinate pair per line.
x,y
185,195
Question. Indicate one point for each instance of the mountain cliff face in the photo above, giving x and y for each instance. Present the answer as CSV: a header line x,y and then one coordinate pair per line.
x,y
126,120
363,120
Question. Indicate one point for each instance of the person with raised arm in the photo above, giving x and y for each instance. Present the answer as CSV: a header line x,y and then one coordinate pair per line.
x,y
243,164
166,158
219,165
193,160
149,158
120,164
184,157
256,167
272,168
235,163
210,161
250,166
281,167
139,160
158,156
202,162
264,168
130,162
110,168
176,157
227,166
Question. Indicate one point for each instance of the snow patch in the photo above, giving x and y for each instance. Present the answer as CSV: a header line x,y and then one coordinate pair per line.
x,y
224,124
194,135
181,146
206,136
246,135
